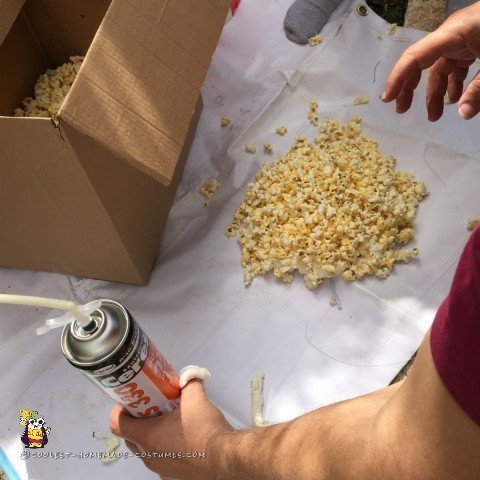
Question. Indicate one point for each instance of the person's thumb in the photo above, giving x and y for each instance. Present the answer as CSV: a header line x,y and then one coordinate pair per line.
x,y
469,103
194,392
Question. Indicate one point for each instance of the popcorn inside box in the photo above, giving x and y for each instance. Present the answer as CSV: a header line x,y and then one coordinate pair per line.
x,y
50,90
43,50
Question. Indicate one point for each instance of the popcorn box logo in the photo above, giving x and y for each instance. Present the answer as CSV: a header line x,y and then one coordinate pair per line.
x,y
36,432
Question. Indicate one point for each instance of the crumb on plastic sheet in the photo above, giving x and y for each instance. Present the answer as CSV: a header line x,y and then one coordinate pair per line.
x,y
256,386
361,100
225,121
313,113
472,223
209,188
111,446
315,40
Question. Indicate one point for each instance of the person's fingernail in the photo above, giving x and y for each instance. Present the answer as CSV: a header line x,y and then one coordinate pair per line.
x,y
466,111
383,96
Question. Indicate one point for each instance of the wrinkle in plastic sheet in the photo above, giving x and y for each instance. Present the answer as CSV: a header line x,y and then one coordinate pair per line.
x,y
196,308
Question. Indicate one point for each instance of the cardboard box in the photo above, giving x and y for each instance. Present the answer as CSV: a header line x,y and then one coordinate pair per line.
x,y
88,193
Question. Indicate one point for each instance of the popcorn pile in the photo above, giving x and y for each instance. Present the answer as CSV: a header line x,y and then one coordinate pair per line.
x,y
333,208
50,90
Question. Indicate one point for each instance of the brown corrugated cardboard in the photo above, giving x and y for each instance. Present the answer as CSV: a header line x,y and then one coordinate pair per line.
x,y
47,204
144,73
89,193
9,9
17,82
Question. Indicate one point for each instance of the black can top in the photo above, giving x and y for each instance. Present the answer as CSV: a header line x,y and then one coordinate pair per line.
x,y
100,339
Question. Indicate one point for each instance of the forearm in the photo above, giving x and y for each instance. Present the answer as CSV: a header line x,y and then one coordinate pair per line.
x,y
269,453
412,430
334,442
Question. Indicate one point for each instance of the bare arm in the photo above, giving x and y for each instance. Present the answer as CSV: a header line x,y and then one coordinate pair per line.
x,y
410,430
427,431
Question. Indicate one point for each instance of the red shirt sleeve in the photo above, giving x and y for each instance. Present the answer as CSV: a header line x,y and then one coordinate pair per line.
x,y
455,335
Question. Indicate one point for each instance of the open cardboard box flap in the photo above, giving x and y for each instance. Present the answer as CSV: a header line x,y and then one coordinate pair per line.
x,y
140,82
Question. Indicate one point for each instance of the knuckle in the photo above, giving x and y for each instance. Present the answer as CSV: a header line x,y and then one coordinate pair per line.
x,y
457,22
412,56
114,430
474,86
113,425
411,52
455,15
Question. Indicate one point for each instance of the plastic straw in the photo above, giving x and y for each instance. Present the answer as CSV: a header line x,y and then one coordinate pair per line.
x,y
71,307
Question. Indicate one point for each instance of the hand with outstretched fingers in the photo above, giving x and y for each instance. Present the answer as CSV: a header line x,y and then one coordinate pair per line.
x,y
448,54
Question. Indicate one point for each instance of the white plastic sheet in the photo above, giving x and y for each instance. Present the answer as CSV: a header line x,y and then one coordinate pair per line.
x,y
196,308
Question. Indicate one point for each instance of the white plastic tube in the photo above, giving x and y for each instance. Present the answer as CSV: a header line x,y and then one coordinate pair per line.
x,y
81,317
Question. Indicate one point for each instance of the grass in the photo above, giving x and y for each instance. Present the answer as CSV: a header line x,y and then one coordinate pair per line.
x,y
393,11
